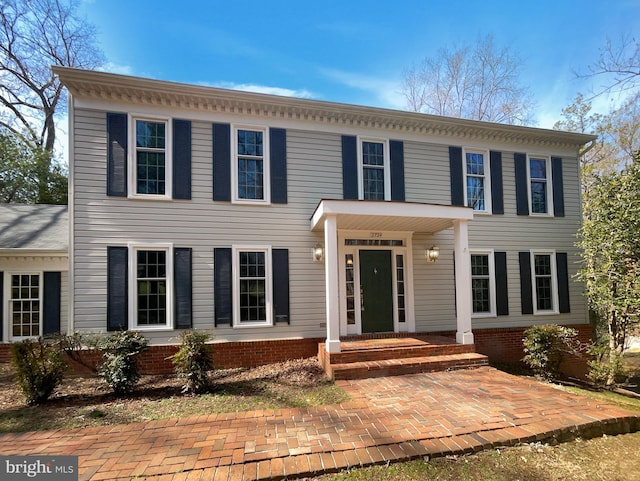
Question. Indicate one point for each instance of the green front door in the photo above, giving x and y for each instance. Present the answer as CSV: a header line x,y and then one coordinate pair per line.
x,y
376,284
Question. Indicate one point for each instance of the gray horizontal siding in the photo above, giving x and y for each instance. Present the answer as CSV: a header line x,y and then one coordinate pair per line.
x,y
314,172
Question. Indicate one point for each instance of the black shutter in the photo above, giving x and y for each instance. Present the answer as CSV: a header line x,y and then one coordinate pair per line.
x,y
558,187
117,154
278,160
456,174
562,272
51,302
182,287
497,197
117,288
1,305
502,291
181,159
522,192
222,286
526,294
350,167
280,261
222,162
396,156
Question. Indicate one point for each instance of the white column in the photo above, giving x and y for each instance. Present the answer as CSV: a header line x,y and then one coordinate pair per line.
x,y
464,335
331,283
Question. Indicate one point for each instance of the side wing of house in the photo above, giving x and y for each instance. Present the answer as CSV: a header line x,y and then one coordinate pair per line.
x,y
261,218
34,271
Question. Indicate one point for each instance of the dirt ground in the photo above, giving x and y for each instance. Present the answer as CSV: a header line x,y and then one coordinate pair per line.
x,y
86,400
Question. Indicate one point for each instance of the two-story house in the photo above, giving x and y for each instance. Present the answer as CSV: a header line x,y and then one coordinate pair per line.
x,y
277,222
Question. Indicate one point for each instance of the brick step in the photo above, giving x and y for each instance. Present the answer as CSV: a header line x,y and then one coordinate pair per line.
x,y
398,367
400,352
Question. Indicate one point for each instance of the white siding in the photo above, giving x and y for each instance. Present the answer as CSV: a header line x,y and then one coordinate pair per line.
x,y
314,171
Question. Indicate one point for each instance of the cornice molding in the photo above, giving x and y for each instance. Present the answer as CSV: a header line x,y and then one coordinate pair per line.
x,y
87,84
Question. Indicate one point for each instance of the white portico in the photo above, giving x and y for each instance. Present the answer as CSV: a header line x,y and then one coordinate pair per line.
x,y
377,237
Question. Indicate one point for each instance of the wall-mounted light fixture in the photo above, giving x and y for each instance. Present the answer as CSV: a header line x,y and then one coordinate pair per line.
x,y
318,253
432,253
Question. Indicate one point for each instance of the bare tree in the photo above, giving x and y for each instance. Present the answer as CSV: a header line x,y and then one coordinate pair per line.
x,y
34,35
478,82
618,65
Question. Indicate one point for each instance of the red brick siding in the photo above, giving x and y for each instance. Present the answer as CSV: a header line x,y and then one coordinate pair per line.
x,y
501,345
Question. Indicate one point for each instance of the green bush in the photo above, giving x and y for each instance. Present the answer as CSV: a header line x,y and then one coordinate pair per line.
x,y
119,368
192,362
546,346
604,367
39,366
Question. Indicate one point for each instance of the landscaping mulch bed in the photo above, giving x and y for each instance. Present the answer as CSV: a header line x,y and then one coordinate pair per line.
x,y
87,401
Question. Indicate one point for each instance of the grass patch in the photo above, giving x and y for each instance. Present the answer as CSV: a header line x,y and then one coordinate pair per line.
x,y
610,458
87,401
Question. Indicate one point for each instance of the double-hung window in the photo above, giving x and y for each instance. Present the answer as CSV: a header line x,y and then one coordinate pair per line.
x,y
251,165
483,294
252,286
150,166
24,305
151,286
374,173
540,195
545,290
478,185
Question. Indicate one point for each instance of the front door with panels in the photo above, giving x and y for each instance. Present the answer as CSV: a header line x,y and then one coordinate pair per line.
x,y
376,291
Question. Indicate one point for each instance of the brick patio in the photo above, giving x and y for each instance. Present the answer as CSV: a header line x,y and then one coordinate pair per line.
x,y
388,419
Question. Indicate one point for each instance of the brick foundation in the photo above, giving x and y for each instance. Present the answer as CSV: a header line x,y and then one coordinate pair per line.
x,y
155,360
500,345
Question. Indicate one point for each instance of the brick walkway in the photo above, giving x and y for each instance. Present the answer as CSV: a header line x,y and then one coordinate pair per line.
x,y
388,419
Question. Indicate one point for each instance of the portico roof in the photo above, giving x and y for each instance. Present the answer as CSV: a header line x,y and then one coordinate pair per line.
x,y
388,215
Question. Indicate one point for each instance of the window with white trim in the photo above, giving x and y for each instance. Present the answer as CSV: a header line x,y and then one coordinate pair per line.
x,y
25,305
252,286
151,284
251,165
477,180
374,174
545,289
150,173
483,295
540,186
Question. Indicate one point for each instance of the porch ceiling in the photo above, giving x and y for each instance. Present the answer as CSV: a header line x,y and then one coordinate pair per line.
x,y
388,216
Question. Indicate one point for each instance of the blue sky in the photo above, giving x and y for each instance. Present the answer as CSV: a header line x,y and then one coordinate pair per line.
x,y
353,51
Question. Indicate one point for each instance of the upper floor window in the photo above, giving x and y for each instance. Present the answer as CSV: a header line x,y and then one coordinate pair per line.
x,y
150,169
151,285
374,170
478,185
545,289
483,284
539,171
251,166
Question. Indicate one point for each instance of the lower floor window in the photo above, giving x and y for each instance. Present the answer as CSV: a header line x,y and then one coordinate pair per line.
x,y
544,285
151,300
482,282
254,293
25,305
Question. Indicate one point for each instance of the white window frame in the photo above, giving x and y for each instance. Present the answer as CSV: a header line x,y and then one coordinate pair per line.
x,y
7,296
266,167
268,293
132,157
386,167
549,185
487,178
492,283
133,285
554,282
